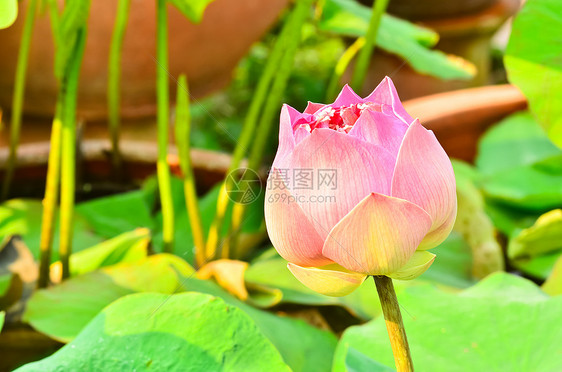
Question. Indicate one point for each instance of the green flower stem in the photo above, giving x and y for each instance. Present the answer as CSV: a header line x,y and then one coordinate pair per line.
x,y
19,92
360,72
183,132
68,146
163,110
50,198
247,134
341,67
394,324
113,82
302,11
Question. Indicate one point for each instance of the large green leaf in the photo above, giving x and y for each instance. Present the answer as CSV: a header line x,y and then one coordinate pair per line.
x,y
303,347
511,221
63,310
504,323
535,187
515,141
451,269
534,244
543,237
533,62
553,285
113,215
453,265
192,9
128,247
356,361
520,165
8,13
23,217
270,270
184,246
2,316
350,18
410,42
539,267
157,332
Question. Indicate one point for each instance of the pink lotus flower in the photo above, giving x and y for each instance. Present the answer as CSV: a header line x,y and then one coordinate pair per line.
x,y
358,188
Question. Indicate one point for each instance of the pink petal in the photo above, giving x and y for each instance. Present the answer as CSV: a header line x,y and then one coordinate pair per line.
x,y
424,175
332,280
380,129
439,234
300,134
347,97
312,107
379,236
291,233
286,136
385,93
356,168
417,265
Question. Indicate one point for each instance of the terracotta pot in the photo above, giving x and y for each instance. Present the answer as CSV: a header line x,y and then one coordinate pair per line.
x,y
464,35
459,118
207,53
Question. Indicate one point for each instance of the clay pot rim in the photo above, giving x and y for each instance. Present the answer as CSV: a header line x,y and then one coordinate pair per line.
x,y
459,118
94,166
133,151
437,110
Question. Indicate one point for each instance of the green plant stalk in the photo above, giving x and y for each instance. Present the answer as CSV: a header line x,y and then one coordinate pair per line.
x,y
68,148
320,4
364,59
55,20
50,198
341,67
19,92
271,109
248,129
183,132
394,324
163,107
114,78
